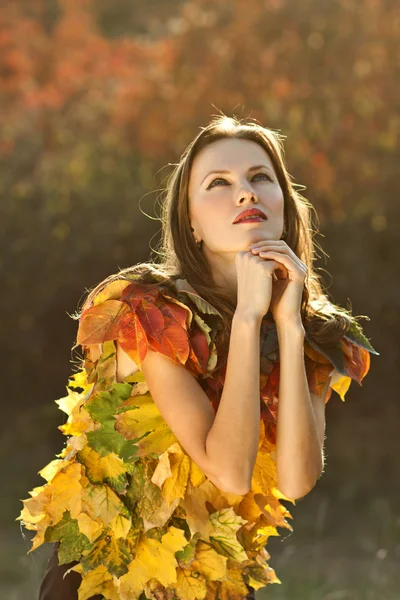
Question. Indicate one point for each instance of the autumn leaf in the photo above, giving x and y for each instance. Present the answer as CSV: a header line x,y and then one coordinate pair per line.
x,y
109,469
98,581
208,562
109,551
232,588
101,323
48,503
190,585
153,559
222,533
172,473
145,424
112,291
72,541
101,501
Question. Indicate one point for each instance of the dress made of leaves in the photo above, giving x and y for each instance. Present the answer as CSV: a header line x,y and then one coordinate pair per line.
x,y
123,498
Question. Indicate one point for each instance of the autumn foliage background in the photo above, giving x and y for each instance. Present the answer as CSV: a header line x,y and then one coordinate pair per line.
x,y
96,98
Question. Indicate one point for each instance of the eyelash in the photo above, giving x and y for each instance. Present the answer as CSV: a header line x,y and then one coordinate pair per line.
x,y
222,179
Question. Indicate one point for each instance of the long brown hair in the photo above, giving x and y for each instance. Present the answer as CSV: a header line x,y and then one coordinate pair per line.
x,y
180,257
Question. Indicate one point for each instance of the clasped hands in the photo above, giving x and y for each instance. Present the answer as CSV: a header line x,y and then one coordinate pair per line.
x,y
287,290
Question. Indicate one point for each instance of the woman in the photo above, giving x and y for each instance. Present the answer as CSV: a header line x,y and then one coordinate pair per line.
x,y
171,481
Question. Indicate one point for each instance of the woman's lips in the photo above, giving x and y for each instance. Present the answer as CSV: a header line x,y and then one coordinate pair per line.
x,y
250,220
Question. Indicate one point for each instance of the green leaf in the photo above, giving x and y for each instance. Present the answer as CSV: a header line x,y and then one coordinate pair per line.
x,y
113,553
72,541
103,405
106,440
356,334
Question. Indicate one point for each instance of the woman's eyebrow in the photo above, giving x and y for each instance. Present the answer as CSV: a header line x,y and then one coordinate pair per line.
x,y
225,171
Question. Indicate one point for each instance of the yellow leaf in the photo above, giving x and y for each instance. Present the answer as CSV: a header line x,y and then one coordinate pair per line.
x,y
100,501
194,504
208,562
249,509
172,473
90,527
74,398
50,470
232,588
153,559
78,422
197,477
97,581
160,515
74,444
99,468
46,507
120,525
223,525
340,383
145,418
191,586
264,477
112,291
109,551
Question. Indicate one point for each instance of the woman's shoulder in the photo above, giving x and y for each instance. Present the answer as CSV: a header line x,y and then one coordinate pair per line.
x,y
167,316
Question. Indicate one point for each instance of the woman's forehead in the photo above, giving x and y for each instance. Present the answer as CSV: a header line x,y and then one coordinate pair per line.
x,y
229,154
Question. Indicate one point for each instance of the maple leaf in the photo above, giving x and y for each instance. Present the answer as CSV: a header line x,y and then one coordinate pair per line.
x,y
109,469
232,588
153,559
222,526
101,501
109,551
98,581
73,542
91,528
190,584
48,503
208,562
172,473
145,424
106,439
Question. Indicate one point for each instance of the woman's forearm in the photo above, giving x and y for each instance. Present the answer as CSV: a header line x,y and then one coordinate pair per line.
x,y
232,441
299,460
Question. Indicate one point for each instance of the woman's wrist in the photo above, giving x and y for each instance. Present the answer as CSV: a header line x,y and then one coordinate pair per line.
x,y
292,326
246,315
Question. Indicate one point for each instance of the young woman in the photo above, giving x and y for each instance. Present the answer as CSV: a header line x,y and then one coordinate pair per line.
x,y
200,402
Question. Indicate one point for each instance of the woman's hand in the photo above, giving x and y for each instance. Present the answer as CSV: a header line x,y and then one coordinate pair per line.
x,y
254,284
287,289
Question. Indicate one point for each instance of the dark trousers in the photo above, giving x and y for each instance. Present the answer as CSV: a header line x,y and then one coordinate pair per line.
x,y
54,587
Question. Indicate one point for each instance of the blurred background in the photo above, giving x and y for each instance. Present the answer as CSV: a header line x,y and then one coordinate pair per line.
x,y
97,99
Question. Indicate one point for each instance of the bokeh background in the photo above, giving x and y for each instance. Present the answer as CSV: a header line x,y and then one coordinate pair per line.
x,y
97,100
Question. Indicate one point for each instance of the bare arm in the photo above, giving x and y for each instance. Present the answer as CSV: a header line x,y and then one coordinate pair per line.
x,y
299,457
223,445
232,441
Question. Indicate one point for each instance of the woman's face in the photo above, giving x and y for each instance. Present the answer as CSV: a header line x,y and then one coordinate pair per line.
x,y
215,199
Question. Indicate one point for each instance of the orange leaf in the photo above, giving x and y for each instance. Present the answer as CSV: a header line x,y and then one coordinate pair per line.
x,y
101,323
132,337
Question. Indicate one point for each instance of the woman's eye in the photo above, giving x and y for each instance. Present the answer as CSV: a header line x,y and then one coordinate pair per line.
x,y
222,179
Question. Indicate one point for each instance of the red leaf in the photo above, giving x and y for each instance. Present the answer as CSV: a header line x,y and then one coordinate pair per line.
x,y
174,342
132,337
100,323
135,293
357,360
199,351
151,319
